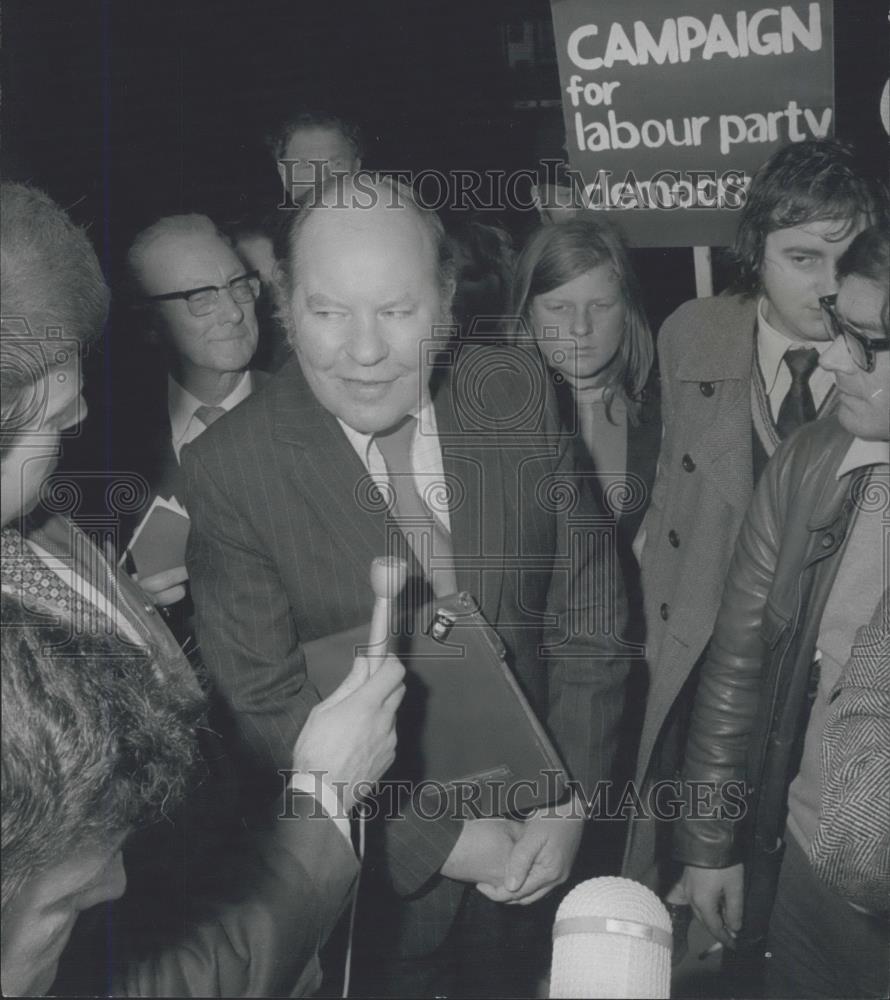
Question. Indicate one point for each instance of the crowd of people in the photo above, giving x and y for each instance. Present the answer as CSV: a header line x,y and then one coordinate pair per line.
x,y
179,804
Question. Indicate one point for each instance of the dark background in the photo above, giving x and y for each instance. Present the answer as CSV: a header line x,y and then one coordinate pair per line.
x,y
124,111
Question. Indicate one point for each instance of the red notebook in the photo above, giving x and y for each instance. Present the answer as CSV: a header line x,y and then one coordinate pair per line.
x,y
464,720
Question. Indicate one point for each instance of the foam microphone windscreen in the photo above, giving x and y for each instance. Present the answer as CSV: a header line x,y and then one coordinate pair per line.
x,y
611,938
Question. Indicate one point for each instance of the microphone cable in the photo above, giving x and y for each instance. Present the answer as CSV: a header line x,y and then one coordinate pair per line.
x,y
347,964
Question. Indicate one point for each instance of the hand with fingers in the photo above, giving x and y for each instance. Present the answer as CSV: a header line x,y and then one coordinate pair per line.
x,y
481,851
716,896
350,737
164,588
543,852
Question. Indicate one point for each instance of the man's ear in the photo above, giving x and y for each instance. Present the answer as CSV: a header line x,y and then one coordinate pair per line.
x,y
356,164
281,292
278,280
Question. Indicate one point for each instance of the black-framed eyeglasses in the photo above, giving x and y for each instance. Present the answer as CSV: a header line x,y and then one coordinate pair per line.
x,y
862,348
202,301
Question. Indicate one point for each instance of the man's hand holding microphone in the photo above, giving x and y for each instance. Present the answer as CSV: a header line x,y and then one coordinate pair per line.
x,y
350,737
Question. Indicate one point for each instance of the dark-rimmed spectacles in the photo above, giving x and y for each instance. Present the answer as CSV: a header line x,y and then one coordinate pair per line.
x,y
862,348
202,301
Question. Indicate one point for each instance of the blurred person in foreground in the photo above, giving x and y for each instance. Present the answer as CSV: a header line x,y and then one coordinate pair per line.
x,y
99,748
193,932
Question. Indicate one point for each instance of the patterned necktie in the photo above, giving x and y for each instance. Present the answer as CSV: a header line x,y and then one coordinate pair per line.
x,y
27,574
209,414
430,542
798,407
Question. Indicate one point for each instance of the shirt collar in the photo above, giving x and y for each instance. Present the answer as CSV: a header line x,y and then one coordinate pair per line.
x,y
181,404
862,453
772,345
361,442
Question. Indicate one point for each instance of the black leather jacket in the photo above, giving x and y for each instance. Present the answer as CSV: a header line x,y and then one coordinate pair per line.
x,y
751,706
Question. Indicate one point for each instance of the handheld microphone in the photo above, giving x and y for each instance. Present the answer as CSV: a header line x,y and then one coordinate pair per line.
x,y
388,576
611,938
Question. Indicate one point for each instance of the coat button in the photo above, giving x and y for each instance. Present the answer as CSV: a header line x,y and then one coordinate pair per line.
x,y
149,609
827,540
707,388
687,463
665,612
674,538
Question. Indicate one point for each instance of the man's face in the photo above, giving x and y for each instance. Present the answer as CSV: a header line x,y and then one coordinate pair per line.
x,y
40,918
798,267
58,406
863,397
221,342
317,152
365,297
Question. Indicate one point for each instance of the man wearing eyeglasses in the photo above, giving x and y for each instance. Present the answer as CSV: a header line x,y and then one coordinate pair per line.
x,y
739,372
811,571
196,303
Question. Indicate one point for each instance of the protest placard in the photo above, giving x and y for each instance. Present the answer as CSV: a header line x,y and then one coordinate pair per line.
x,y
671,107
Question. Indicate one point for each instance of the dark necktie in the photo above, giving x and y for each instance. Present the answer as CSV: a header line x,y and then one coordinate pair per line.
x,y
798,407
209,414
430,542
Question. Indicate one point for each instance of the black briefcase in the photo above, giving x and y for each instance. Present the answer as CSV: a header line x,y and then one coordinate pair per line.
x,y
464,725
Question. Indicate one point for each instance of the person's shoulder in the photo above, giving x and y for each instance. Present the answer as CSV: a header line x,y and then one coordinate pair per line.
x,y
500,388
698,317
260,378
812,454
488,366
245,425
825,438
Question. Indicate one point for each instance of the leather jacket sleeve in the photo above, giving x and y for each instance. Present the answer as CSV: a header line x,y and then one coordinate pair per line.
x,y
729,691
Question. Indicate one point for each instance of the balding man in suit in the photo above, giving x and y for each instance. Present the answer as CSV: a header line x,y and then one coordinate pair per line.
x,y
282,541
